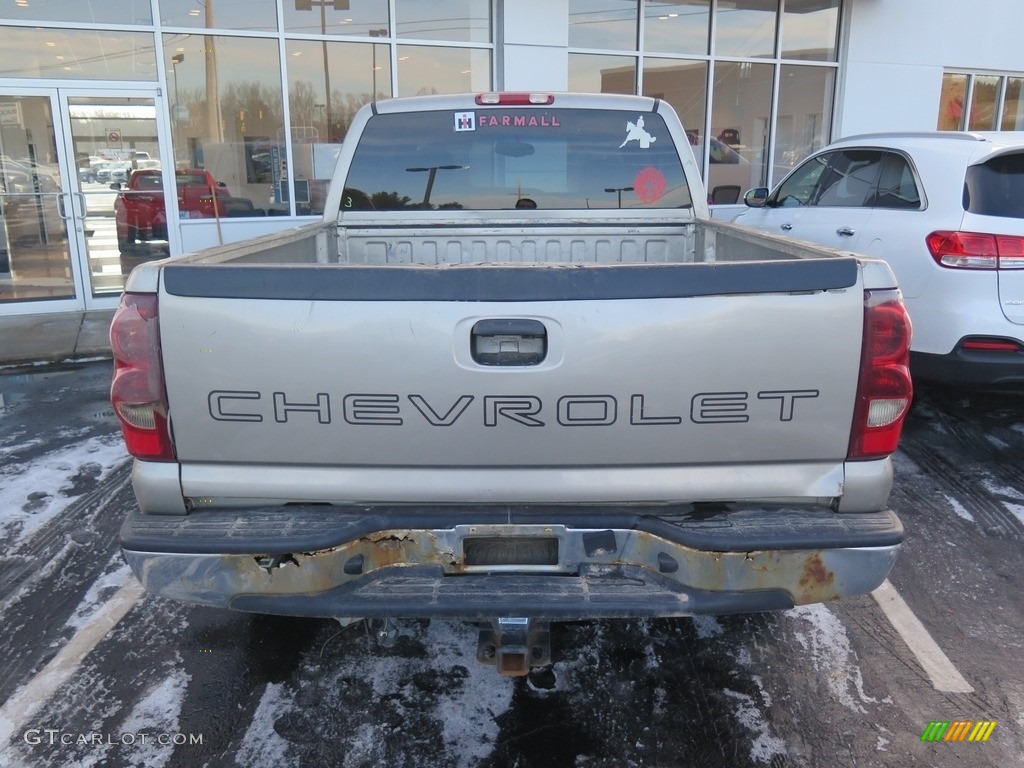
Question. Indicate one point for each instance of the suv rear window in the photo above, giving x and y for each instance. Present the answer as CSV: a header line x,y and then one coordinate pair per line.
x,y
996,187
493,159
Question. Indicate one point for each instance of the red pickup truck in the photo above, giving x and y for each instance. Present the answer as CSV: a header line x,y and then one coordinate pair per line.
x,y
141,216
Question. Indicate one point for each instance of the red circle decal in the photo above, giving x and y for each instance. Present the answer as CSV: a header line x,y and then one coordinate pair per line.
x,y
650,184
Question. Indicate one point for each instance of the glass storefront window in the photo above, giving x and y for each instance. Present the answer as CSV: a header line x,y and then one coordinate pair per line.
x,y
683,84
424,70
222,14
737,151
77,54
606,24
680,26
984,103
951,103
810,29
356,17
746,29
1013,106
327,84
121,12
227,117
467,21
593,73
803,123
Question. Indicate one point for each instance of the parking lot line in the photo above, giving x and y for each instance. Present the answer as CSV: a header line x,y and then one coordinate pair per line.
x,y
944,676
31,696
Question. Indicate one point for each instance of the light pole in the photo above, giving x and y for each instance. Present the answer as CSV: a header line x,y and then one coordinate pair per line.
x,y
176,59
431,172
376,33
307,5
618,191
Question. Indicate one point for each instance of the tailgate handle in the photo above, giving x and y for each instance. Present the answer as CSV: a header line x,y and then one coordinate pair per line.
x,y
509,341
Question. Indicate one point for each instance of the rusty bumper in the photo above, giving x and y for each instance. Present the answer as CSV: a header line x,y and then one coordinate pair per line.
x,y
552,564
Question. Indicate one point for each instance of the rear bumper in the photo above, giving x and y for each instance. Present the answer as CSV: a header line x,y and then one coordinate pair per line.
x,y
967,367
598,562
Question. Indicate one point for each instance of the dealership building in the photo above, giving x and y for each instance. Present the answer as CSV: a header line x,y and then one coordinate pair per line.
x,y
260,93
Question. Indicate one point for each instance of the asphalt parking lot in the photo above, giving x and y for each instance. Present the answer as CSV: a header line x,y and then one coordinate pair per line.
x,y
94,672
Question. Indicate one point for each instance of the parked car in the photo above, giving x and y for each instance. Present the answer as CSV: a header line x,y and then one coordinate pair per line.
x,y
946,211
141,215
110,172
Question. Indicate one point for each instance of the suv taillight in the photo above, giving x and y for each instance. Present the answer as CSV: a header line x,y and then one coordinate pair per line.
x,y
976,250
137,392
884,390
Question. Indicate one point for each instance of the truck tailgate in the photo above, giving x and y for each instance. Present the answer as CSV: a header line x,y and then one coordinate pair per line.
x,y
663,367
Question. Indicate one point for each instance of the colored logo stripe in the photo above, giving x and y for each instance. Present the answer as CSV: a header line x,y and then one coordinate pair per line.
x,y
982,731
958,730
935,731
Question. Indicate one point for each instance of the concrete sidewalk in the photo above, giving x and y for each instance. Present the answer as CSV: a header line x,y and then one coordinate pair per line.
x,y
54,338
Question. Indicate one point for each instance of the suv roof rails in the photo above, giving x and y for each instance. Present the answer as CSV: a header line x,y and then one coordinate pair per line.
x,y
951,135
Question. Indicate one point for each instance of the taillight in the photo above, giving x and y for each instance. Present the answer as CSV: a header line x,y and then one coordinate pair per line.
x,y
514,99
137,392
884,390
976,250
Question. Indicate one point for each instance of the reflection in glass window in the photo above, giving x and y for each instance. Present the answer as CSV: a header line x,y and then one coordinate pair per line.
x,y
803,123
746,29
227,117
322,101
678,26
951,103
739,125
222,14
607,24
77,54
683,84
356,17
897,187
799,188
810,29
852,179
984,101
121,12
1013,106
554,159
593,73
458,20
424,70
35,262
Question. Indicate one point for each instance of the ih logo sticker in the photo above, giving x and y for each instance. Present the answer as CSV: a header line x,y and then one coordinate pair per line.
x,y
959,730
465,121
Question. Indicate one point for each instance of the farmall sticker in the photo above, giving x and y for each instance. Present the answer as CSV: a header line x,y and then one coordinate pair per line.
x,y
635,132
465,121
519,121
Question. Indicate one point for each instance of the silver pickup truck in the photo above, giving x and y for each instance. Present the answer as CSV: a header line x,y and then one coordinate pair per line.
x,y
516,375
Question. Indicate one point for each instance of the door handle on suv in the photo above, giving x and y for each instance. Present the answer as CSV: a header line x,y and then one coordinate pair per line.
x,y
846,232
786,227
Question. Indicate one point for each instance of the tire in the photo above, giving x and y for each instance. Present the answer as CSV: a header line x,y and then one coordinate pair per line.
x,y
127,244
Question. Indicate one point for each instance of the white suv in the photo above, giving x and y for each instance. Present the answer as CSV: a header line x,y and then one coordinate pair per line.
x,y
946,211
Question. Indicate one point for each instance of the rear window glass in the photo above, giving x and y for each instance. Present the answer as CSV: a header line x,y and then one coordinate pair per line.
x,y
996,187
494,159
190,180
